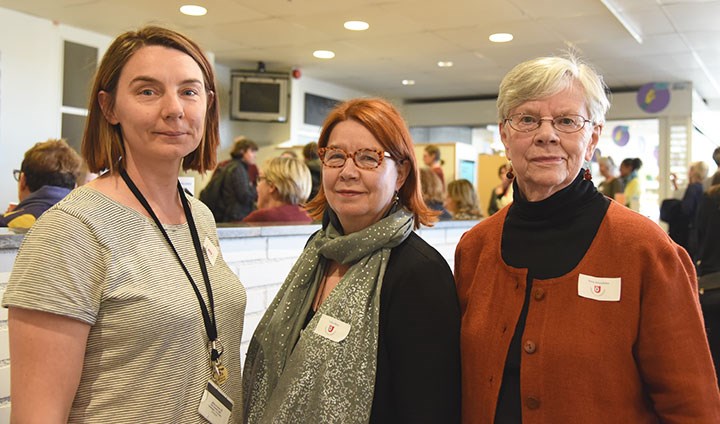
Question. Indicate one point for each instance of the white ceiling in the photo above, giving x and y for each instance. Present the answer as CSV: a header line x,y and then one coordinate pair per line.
x,y
406,39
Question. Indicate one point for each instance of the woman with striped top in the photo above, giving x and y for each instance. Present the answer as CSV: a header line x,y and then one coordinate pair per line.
x,y
121,308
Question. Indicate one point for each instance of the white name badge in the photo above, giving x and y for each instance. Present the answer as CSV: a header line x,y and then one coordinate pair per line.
x,y
332,328
215,406
599,288
211,250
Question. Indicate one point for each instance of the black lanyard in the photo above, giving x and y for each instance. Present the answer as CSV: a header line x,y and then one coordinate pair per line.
x,y
208,317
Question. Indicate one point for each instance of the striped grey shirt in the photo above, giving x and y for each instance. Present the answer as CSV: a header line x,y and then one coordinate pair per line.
x,y
95,260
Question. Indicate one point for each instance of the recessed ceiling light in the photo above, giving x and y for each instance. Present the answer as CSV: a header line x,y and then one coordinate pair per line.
x,y
408,82
324,54
501,37
445,63
193,10
356,25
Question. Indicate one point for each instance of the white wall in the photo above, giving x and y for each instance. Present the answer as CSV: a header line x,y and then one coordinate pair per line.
x,y
31,60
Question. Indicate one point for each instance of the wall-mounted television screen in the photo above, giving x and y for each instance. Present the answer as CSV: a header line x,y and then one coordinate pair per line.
x,y
259,97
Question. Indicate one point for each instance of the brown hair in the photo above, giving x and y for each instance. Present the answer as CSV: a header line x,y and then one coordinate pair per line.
x,y
310,151
431,186
387,126
52,162
242,145
102,144
434,151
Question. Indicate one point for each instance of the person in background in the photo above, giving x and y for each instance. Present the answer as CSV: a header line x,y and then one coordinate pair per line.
x,y
629,168
433,193
708,181
239,191
312,160
289,154
431,158
284,183
366,326
462,200
47,174
708,265
681,214
502,194
612,184
121,307
574,308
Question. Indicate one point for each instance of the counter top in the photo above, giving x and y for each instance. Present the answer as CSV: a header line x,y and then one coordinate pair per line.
x,y
12,240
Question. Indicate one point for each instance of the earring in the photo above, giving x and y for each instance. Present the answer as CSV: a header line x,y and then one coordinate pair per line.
x,y
587,175
509,173
396,198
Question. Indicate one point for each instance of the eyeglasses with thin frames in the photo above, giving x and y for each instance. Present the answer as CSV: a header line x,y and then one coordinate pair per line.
x,y
16,174
568,124
334,157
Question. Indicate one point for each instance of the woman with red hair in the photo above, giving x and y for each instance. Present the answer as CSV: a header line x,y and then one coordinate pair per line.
x,y
366,326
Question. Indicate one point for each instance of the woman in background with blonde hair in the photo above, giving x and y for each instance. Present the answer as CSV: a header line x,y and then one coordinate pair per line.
x,y
462,200
283,185
432,193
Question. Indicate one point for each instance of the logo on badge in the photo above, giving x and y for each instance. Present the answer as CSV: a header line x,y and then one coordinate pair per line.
x,y
598,289
332,328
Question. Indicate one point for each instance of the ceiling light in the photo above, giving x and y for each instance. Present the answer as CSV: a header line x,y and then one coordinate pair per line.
x,y
356,25
501,37
445,64
408,82
623,21
193,10
323,54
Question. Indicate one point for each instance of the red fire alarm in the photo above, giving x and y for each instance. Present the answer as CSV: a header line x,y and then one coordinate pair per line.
x,y
296,73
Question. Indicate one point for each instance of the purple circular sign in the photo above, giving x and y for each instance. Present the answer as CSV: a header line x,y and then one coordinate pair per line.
x,y
653,97
621,135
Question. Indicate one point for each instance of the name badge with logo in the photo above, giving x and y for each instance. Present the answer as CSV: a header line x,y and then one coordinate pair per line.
x,y
211,250
332,328
604,289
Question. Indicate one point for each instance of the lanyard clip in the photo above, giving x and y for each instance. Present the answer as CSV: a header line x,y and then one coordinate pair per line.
x,y
216,350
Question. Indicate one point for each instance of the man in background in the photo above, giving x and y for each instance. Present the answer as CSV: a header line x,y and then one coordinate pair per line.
x,y
46,175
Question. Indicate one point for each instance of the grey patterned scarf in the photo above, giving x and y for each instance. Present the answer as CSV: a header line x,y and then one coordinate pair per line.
x,y
296,375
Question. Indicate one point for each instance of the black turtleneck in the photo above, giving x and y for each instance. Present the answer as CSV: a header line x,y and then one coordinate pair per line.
x,y
548,238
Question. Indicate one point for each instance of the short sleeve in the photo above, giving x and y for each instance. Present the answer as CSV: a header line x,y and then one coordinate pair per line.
x,y
59,269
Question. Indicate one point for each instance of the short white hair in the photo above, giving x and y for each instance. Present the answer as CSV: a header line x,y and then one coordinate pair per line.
x,y
546,76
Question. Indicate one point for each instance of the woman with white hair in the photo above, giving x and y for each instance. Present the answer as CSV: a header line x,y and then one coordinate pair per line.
x,y
612,184
575,309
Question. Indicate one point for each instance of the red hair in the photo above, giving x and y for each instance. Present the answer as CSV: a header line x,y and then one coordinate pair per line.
x,y
387,126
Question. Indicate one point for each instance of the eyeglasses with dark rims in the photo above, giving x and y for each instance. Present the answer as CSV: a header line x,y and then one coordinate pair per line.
x,y
334,157
16,174
524,122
